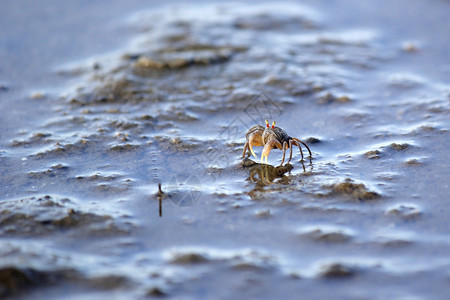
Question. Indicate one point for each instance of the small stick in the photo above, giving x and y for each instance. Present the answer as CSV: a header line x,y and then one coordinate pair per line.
x,y
160,196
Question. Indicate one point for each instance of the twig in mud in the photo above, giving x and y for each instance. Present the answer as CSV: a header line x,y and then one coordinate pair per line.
x,y
160,196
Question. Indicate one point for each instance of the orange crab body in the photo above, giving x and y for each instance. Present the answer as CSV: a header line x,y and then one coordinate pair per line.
x,y
272,137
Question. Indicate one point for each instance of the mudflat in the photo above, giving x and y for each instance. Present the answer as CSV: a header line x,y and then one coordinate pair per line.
x,y
103,103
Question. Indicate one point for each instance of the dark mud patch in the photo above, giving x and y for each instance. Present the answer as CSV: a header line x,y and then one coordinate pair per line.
x,y
329,98
337,271
15,281
123,147
327,234
188,258
350,189
156,292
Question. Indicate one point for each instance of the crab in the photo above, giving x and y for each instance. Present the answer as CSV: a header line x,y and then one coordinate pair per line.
x,y
272,137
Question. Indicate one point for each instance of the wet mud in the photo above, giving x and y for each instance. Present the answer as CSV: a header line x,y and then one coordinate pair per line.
x,y
364,217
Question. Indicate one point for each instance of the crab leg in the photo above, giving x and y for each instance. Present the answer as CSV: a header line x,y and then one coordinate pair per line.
x,y
304,144
245,150
251,150
269,146
290,146
299,147
285,146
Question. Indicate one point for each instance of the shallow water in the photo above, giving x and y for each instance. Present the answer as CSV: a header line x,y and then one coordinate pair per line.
x,y
86,141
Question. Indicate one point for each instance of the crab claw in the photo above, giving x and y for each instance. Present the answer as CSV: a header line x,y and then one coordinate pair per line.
x,y
269,146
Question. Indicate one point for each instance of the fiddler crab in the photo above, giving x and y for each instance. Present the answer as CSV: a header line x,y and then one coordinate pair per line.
x,y
272,137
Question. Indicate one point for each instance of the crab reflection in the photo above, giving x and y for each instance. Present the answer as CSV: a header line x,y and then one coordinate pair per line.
x,y
263,174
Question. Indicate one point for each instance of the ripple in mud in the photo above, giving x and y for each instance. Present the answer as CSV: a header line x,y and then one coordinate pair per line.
x,y
392,238
407,211
329,234
35,139
237,260
48,215
53,171
63,150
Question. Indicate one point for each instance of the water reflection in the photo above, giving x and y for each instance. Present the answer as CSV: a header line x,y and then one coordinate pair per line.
x,y
266,174
160,195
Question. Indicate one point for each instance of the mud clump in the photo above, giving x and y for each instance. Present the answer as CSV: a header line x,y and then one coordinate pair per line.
x,y
330,98
354,190
156,292
414,162
405,211
123,147
399,147
177,144
183,59
15,281
183,55
188,258
373,154
313,140
336,270
328,234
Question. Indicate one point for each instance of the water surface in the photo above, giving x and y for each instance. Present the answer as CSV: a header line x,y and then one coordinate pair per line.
x,y
166,95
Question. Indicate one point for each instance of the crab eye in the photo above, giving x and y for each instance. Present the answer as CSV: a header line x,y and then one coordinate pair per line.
x,y
267,123
273,125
